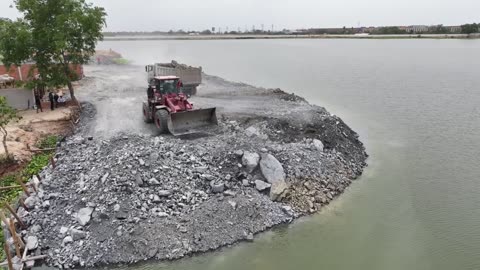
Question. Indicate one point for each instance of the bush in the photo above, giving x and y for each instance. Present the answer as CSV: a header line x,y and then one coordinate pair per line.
x,y
37,163
120,61
48,142
9,195
20,84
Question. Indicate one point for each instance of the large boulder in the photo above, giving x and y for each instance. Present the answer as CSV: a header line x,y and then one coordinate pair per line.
x,y
32,243
84,215
318,145
217,187
78,234
250,161
277,190
31,201
261,186
273,171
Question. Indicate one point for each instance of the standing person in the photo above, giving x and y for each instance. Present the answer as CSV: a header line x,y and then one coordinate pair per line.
x,y
55,97
52,100
38,101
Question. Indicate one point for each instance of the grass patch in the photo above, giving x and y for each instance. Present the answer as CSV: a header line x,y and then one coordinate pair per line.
x,y
120,61
36,164
48,142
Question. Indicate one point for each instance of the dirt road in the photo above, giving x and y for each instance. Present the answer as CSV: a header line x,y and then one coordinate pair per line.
x,y
118,92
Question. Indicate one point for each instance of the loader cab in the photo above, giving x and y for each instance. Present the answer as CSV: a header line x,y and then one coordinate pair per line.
x,y
166,85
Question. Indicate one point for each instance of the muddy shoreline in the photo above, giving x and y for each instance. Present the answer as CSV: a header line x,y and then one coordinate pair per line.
x,y
130,195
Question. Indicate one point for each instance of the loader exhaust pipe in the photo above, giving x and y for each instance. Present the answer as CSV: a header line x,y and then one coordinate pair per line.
x,y
195,121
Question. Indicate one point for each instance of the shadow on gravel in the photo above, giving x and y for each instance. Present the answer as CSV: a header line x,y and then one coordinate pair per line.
x,y
194,136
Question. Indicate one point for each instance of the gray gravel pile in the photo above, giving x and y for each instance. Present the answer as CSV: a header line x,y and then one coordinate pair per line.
x,y
129,198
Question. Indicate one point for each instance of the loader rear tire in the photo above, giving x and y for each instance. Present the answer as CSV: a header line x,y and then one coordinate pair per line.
x,y
161,121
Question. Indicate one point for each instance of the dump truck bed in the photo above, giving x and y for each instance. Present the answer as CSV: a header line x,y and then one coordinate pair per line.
x,y
190,76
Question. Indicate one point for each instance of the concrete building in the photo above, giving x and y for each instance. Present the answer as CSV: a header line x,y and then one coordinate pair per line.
x,y
417,29
20,99
454,29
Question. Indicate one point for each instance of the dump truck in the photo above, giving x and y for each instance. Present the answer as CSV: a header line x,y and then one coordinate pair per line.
x,y
191,77
170,110
6,81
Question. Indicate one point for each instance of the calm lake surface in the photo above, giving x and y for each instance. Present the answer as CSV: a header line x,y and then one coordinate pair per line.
x,y
415,104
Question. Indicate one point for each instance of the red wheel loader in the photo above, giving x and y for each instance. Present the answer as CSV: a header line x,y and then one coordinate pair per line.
x,y
171,111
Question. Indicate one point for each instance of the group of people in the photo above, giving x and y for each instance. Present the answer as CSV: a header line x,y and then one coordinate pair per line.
x,y
56,98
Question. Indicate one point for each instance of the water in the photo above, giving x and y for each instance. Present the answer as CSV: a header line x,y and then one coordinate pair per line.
x,y
414,104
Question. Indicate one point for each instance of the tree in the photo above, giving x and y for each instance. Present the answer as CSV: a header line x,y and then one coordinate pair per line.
x,y
470,28
55,34
390,30
15,41
438,29
7,114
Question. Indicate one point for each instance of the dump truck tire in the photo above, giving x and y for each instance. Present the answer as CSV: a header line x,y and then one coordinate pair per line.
x,y
161,121
146,114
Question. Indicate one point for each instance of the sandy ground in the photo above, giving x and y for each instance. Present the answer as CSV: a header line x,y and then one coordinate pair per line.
x,y
34,126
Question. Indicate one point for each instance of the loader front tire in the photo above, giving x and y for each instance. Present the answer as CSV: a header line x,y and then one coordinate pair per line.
x,y
146,114
161,121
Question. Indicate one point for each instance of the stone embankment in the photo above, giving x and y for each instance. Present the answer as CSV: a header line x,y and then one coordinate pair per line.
x,y
129,197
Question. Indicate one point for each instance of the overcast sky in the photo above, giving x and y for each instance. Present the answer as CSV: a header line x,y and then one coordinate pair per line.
x,y
163,15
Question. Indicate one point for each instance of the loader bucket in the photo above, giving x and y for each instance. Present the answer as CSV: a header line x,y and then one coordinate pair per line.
x,y
188,122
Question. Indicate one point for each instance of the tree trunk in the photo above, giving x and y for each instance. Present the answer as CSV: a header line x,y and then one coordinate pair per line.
x,y
4,141
66,67
70,88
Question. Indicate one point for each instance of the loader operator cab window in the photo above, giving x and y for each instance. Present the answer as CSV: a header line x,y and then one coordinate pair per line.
x,y
168,87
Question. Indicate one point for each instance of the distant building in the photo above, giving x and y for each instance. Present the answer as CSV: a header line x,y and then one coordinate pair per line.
x,y
417,29
454,29
370,29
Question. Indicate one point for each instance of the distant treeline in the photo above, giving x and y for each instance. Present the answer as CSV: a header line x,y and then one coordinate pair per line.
x,y
384,30
204,32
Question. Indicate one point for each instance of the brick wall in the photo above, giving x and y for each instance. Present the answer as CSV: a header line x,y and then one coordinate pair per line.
x,y
25,69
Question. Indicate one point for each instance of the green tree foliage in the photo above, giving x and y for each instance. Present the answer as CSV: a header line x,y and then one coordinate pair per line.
x,y
7,115
15,41
54,34
470,28
438,29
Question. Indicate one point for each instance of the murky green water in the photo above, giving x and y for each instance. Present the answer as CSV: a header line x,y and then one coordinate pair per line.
x,y
416,105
